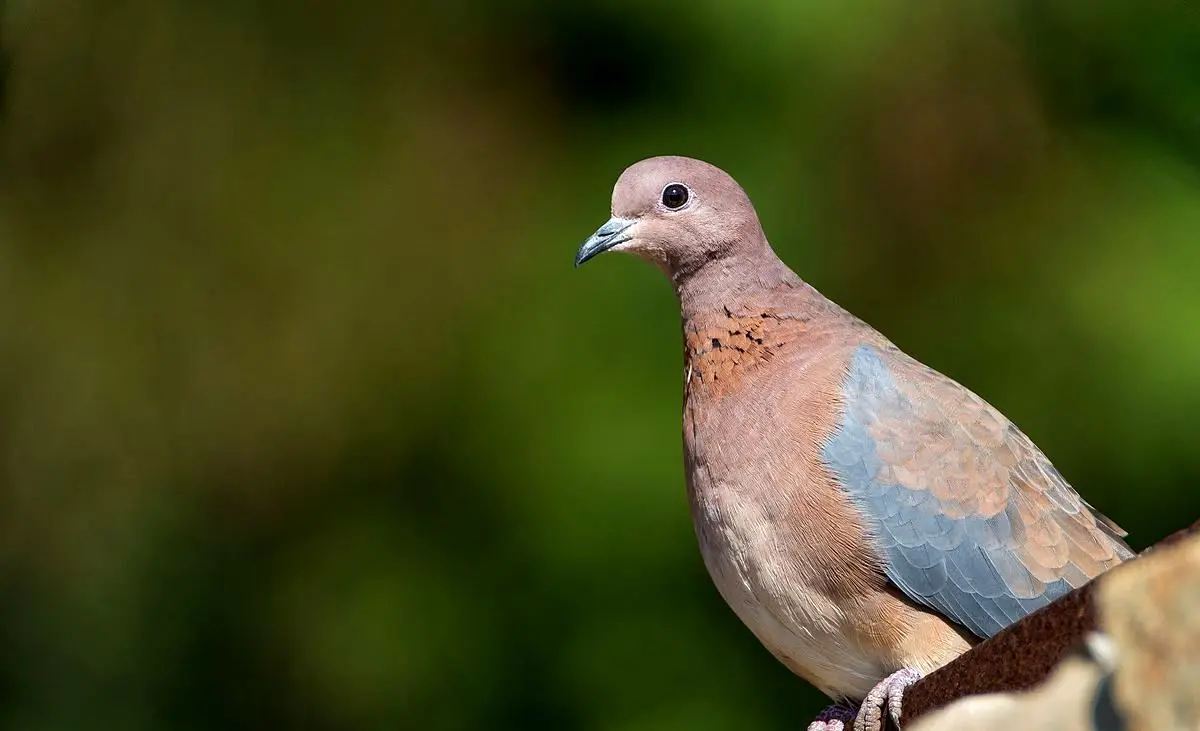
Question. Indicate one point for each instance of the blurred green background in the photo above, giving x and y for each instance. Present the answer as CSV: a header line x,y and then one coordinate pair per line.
x,y
307,422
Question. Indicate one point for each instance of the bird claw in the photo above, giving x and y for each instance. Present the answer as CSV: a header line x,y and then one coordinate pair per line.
x,y
889,694
834,718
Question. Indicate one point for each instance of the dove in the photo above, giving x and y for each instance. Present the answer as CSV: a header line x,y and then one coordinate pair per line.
x,y
866,517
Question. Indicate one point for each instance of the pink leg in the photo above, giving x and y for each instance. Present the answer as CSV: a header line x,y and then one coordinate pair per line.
x,y
834,718
888,694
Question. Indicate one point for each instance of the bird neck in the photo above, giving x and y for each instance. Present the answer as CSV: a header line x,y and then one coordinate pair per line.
x,y
740,313
745,284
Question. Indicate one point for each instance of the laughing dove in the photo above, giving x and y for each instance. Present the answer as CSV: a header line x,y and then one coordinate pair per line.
x,y
868,518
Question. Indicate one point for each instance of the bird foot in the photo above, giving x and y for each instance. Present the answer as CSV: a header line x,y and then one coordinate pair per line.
x,y
888,694
834,718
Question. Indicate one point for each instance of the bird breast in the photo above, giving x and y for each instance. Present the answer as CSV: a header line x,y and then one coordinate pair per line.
x,y
766,529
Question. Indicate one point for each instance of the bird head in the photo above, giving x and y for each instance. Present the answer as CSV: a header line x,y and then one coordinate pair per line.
x,y
678,213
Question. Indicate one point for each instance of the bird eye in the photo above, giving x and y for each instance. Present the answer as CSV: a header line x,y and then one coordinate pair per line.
x,y
674,196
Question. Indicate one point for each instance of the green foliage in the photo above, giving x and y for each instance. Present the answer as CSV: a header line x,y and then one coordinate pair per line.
x,y
307,422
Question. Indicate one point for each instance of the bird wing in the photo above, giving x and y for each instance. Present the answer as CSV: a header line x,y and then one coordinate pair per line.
x,y
968,516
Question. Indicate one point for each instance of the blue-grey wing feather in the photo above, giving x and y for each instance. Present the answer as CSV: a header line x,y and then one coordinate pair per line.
x,y
968,516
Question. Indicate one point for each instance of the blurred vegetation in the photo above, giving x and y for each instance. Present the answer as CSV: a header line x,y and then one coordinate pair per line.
x,y
307,422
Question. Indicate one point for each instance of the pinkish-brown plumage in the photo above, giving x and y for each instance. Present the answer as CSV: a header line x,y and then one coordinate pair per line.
x,y
861,513
789,554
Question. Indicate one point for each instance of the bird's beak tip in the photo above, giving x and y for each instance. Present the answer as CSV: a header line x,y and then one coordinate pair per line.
x,y
613,232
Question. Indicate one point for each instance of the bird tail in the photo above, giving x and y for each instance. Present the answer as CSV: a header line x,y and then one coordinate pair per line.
x,y
1115,532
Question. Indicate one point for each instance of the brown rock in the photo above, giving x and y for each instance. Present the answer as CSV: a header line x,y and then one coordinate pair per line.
x,y
1065,702
1024,654
1152,611
1143,674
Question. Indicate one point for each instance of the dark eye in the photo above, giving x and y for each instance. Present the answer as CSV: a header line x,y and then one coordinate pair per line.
x,y
674,196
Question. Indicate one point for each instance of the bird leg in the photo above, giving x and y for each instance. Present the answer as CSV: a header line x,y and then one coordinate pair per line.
x,y
887,694
834,718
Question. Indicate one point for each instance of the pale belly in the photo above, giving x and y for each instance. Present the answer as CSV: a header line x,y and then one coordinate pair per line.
x,y
759,575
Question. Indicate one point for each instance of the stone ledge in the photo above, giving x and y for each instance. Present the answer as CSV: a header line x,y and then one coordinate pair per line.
x,y
1024,655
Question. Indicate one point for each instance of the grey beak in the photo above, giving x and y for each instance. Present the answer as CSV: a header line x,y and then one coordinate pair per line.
x,y
606,237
